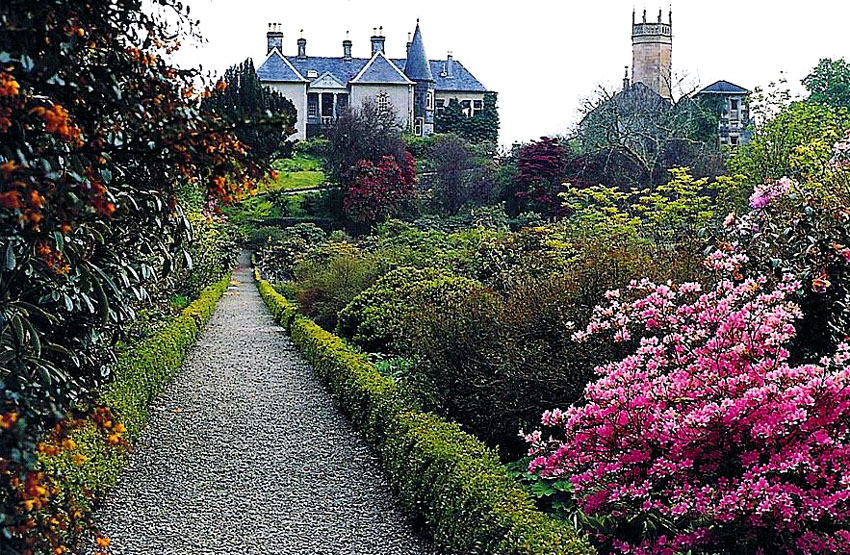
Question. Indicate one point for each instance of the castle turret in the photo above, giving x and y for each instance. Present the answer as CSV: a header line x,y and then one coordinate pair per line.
x,y
418,70
652,54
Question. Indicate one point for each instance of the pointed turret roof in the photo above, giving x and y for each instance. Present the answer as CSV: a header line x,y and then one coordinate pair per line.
x,y
418,68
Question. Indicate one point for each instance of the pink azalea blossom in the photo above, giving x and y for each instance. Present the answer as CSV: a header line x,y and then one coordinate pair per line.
x,y
706,429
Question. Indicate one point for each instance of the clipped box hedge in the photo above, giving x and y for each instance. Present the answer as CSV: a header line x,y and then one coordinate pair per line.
x,y
449,480
140,375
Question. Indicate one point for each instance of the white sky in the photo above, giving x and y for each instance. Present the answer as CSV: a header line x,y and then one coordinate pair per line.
x,y
542,56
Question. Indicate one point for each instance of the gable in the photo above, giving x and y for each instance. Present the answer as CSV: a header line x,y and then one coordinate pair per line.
x,y
380,70
277,68
327,81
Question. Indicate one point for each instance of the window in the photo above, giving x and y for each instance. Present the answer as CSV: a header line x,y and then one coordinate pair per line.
x,y
441,103
478,105
467,107
312,74
429,102
734,103
418,127
312,105
733,140
383,102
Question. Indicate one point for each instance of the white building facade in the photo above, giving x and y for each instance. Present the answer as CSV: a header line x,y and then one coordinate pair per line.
x,y
415,88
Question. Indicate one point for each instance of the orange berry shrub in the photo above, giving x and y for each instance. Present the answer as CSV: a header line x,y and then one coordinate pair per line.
x,y
98,133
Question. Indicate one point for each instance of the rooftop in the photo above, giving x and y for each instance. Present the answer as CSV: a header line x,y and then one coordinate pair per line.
x,y
724,87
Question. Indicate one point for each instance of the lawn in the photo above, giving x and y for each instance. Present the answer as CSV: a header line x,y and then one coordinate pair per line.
x,y
302,171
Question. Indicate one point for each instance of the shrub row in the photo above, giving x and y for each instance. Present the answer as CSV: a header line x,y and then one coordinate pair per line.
x,y
140,375
451,482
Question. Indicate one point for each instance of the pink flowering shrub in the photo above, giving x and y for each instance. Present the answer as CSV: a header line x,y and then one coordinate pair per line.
x,y
706,439
765,194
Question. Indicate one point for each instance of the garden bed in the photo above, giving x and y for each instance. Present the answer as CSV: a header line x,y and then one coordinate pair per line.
x,y
448,480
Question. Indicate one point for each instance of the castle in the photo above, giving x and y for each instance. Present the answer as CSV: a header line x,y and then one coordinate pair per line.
x,y
414,87
652,56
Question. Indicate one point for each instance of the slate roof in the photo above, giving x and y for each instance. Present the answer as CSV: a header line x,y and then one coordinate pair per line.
x,y
275,68
381,70
723,87
417,66
278,68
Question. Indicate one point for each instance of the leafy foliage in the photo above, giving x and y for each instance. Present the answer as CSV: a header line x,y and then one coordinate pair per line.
x,y
829,83
796,143
482,126
541,172
462,178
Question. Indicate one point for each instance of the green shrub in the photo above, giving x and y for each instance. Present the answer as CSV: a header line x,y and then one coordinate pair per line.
x,y
317,146
284,248
328,280
378,318
452,483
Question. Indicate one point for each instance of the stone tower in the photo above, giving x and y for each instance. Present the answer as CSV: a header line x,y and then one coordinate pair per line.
x,y
652,53
418,70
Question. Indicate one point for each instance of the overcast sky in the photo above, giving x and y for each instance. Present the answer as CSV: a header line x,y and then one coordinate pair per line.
x,y
542,56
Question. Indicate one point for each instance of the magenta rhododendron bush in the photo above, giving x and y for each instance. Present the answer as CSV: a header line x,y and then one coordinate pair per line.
x,y
706,434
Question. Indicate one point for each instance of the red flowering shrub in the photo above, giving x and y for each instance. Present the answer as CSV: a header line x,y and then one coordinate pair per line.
x,y
380,191
706,439
541,171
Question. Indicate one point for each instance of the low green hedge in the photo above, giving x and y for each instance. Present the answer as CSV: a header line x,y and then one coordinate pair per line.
x,y
449,480
141,374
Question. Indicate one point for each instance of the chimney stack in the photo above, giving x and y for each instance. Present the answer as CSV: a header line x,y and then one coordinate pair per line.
x,y
450,65
274,38
302,47
377,40
346,48
409,43
626,82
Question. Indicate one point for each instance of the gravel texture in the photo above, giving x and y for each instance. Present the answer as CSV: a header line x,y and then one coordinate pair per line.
x,y
246,453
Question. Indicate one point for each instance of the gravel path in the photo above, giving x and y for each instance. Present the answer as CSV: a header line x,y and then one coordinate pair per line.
x,y
246,453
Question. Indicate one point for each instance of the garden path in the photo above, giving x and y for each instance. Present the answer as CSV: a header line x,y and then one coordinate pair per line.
x,y
246,453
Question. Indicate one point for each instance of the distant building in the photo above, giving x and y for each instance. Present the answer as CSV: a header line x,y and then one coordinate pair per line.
x,y
734,109
415,87
652,54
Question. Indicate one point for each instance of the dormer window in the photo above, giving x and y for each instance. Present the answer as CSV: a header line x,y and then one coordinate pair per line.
x,y
312,74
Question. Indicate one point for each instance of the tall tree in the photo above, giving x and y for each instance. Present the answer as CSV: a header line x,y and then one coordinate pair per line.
x,y
829,83
265,118
635,136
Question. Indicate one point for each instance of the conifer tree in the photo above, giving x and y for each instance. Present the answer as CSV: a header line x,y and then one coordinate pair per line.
x,y
245,100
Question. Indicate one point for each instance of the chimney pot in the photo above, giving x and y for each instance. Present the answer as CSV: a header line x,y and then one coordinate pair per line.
x,y
346,48
377,41
274,38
